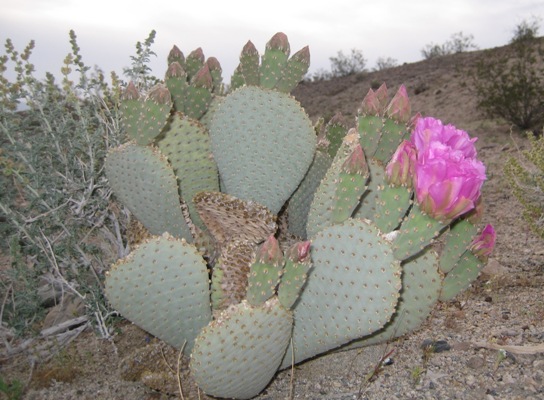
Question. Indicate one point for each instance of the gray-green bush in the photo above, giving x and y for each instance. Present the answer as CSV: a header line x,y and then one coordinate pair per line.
x,y
510,84
458,43
55,207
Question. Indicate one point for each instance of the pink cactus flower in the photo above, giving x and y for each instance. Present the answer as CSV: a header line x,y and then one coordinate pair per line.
x,y
401,169
448,176
483,245
428,130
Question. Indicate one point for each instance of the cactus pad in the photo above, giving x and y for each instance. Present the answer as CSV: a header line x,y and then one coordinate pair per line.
x,y
351,291
144,181
187,146
237,355
162,287
461,276
421,284
299,204
144,117
263,143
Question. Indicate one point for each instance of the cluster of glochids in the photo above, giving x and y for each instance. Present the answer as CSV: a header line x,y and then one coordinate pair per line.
x,y
273,239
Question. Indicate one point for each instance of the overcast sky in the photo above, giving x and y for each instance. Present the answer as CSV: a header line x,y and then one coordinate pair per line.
x,y
108,30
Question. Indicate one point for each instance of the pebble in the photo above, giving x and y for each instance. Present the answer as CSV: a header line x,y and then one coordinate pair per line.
x,y
475,362
438,346
507,379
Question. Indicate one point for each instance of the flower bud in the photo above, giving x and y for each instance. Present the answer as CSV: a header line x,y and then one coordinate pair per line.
x,y
399,108
401,169
483,245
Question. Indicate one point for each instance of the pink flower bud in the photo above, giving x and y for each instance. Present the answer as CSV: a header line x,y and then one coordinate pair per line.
x,y
448,177
270,252
356,162
401,169
131,93
483,245
399,108
299,252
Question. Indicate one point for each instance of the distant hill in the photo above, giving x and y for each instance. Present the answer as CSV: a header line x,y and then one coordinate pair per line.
x,y
439,87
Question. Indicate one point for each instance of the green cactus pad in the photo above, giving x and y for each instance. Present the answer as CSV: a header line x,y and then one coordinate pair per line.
x,y
265,272
144,117
393,133
392,205
194,62
457,240
238,354
274,60
162,287
300,202
370,129
351,185
176,55
295,70
334,133
263,143
205,120
368,208
351,291
216,73
229,278
421,284
249,64
144,181
295,273
325,197
237,79
461,276
198,94
418,230
228,218
176,82
187,146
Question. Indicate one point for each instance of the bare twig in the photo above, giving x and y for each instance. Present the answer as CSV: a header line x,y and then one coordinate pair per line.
x,y
512,349
178,374
292,382
52,258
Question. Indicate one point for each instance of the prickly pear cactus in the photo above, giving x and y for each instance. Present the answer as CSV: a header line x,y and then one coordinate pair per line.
x,y
275,240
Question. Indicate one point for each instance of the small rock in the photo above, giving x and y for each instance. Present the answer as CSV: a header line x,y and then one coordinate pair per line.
x,y
70,308
437,346
491,269
508,379
475,362
461,346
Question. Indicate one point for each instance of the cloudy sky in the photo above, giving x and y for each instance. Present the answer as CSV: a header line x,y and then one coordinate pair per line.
x,y
108,30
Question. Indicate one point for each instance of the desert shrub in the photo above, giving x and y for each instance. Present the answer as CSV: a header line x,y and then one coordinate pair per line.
x,y
510,84
526,30
140,72
55,205
385,63
458,43
344,65
319,75
525,176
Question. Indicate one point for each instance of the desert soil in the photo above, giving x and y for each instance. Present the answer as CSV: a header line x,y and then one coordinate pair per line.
x,y
503,308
